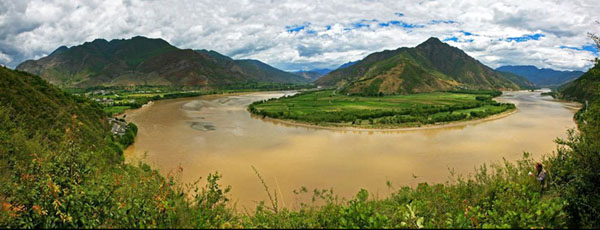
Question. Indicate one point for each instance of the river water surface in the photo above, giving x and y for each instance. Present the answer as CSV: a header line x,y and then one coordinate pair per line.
x,y
216,133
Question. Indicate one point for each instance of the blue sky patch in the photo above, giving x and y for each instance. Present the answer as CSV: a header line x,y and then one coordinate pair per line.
x,y
296,28
360,25
399,14
525,38
401,24
454,39
442,21
589,48
466,33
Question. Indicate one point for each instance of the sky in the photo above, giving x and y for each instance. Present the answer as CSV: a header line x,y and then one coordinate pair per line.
x,y
303,35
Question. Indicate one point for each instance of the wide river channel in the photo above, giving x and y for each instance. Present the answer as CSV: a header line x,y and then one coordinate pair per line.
x,y
213,133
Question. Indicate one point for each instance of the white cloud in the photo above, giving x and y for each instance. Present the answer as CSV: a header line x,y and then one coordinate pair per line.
x,y
257,29
4,58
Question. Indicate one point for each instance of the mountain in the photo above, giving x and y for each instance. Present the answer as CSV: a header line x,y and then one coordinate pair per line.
x,y
431,66
145,61
320,71
521,81
254,68
587,87
542,77
314,74
309,75
347,64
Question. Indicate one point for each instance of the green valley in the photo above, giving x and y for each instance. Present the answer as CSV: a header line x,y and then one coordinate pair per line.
x,y
330,108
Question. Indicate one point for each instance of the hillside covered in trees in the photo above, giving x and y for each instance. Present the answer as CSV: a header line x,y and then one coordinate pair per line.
x,y
146,61
431,66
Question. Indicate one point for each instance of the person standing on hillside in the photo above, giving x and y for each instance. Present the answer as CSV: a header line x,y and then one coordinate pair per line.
x,y
540,175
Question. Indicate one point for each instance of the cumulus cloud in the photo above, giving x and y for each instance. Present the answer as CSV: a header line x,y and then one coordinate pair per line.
x,y
296,35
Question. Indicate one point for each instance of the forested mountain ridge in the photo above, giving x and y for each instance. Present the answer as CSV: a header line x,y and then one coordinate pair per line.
x,y
587,87
431,66
145,61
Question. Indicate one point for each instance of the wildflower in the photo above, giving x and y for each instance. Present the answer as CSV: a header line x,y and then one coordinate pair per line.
x,y
6,206
39,210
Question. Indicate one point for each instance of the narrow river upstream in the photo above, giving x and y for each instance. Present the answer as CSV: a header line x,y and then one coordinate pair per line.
x,y
216,133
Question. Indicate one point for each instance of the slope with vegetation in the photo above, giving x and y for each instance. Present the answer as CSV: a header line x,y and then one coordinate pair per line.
x,y
522,82
577,164
587,87
144,61
60,167
431,66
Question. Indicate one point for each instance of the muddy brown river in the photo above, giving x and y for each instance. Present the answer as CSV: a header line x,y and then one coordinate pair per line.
x,y
216,133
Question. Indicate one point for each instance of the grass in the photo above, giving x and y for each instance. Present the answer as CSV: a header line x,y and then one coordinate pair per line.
x,y
330,108
116,109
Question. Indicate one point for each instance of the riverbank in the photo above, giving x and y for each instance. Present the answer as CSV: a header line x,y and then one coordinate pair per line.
x,y
227,93
116,99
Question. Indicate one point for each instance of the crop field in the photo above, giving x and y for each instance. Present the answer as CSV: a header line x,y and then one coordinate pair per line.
x,y
115,109
330,108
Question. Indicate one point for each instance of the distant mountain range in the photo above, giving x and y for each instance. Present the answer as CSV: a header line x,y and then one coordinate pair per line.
x,y
431,66
145,61
315,74
542,77
309,75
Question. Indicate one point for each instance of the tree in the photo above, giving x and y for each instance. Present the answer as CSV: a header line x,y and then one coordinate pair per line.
x,y
595,38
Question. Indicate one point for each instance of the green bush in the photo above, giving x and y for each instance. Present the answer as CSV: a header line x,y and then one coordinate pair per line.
x,y
575,170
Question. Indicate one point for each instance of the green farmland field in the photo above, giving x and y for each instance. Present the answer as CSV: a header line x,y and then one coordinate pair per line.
x,y
116,109
333,109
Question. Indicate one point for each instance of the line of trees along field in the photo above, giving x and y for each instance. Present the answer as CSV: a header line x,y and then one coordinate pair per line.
x,y
59,169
